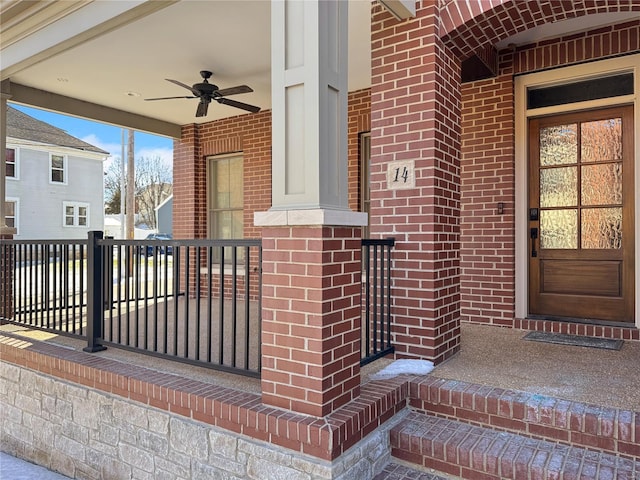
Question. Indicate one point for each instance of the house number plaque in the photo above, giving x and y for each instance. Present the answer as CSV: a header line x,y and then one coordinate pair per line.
x,y
400,174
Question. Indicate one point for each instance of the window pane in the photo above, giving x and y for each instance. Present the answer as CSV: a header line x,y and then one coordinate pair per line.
x,y
10,209
82,211
57,162
10,155
559,229
57,176
558,145
602,228
69,210
602,184
601,140
606,87
82,221
68,221
558,187
11,170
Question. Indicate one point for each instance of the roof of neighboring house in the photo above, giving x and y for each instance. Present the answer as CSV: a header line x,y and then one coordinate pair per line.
x,y
24,127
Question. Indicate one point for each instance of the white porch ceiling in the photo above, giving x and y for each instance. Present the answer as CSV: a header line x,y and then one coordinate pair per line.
x,y
148,41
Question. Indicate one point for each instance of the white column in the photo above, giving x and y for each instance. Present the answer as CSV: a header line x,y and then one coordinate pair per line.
x,y
309,114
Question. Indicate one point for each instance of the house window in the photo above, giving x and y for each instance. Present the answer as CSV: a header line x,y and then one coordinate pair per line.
x,y
75,214
58,168
11,213
365,179
11,170
225,198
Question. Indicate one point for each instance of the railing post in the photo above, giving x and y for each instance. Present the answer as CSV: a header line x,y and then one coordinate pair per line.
x,y
95,291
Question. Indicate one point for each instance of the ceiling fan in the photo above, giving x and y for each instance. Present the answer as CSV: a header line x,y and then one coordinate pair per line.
x,y
206,92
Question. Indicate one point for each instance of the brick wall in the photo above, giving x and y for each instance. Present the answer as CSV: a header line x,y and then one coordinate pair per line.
x,y
487,257
487,242
415,116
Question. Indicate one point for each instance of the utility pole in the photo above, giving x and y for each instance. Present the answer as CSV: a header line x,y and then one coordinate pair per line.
x,y
122,184
131,203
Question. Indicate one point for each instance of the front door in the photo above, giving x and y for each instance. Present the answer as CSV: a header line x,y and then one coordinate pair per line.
x,y
581,231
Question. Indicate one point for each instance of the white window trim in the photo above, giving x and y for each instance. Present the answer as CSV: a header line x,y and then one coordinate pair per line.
x,y
626,64
64,171
209,160
17,213
75,206
17,163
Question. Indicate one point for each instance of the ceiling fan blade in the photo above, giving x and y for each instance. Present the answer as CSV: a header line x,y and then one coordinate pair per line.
x,y
183,85
202,109
235,90
243,106
166,98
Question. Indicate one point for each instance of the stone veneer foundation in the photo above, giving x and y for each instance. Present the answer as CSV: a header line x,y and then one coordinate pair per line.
x,y
91,417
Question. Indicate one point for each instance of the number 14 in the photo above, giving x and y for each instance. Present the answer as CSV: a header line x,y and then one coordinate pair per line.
x,y
404,175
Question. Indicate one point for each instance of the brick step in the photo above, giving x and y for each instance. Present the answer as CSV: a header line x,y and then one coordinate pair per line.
x,y
610,430
474,452
395,471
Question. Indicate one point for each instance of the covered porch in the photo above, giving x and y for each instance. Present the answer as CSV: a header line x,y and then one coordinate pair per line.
x,y
447,171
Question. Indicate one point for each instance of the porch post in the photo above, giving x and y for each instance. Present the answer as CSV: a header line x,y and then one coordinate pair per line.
x,y
311,240
6,233
415,177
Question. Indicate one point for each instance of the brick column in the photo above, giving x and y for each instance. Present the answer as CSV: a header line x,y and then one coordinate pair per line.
x,y
415,121
189,191
311,317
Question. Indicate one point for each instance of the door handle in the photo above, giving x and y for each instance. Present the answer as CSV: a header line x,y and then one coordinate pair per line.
x,y
534,236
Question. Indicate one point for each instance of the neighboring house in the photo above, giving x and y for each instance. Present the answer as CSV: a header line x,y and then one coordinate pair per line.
x,y
54,181
164,216
113,228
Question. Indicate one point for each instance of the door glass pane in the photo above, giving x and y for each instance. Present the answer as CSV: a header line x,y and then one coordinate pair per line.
x,y
558,145
601,140
602,228
602,184
559,229
558,187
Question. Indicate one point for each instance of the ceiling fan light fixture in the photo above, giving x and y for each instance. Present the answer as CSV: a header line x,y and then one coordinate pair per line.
x,y
206,91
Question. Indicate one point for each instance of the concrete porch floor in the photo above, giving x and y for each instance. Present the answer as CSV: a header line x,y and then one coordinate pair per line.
x,y
489,355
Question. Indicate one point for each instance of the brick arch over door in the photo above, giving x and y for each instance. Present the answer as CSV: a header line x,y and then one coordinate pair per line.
x,y
467,27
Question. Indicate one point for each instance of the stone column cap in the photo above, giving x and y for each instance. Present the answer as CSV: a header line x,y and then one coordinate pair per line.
x,y
315,216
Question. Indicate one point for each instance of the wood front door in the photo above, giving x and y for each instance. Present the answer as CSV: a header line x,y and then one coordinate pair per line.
x,y
581,231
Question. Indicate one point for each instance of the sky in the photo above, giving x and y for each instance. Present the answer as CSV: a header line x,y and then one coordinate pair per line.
x,y
106,137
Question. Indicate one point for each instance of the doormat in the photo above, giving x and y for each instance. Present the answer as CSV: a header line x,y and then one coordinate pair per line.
x,y
574,340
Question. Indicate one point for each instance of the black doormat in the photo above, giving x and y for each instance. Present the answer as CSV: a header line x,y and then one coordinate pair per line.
x,y
574,340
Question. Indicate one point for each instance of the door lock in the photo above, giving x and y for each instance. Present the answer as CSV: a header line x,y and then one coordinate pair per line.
x,y
534,236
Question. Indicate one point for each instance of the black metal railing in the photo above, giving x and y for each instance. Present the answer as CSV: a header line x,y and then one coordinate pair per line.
x,y
48,285
376,299
195,301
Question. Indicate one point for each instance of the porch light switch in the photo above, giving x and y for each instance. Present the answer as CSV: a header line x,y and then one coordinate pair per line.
x,y
400,174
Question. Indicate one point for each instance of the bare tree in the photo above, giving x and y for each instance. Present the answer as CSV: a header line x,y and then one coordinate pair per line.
x,y
153,184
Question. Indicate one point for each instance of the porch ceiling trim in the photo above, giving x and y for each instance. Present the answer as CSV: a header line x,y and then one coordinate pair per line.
x,y
15,56
80,108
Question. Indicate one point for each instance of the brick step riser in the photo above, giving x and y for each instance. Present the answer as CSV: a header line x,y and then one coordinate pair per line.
x,y
481,453
605,429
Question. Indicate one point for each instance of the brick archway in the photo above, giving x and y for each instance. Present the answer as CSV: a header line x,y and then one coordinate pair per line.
x,y
467,27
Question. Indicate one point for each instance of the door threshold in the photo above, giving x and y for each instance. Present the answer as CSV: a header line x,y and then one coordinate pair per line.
x,y
584,321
